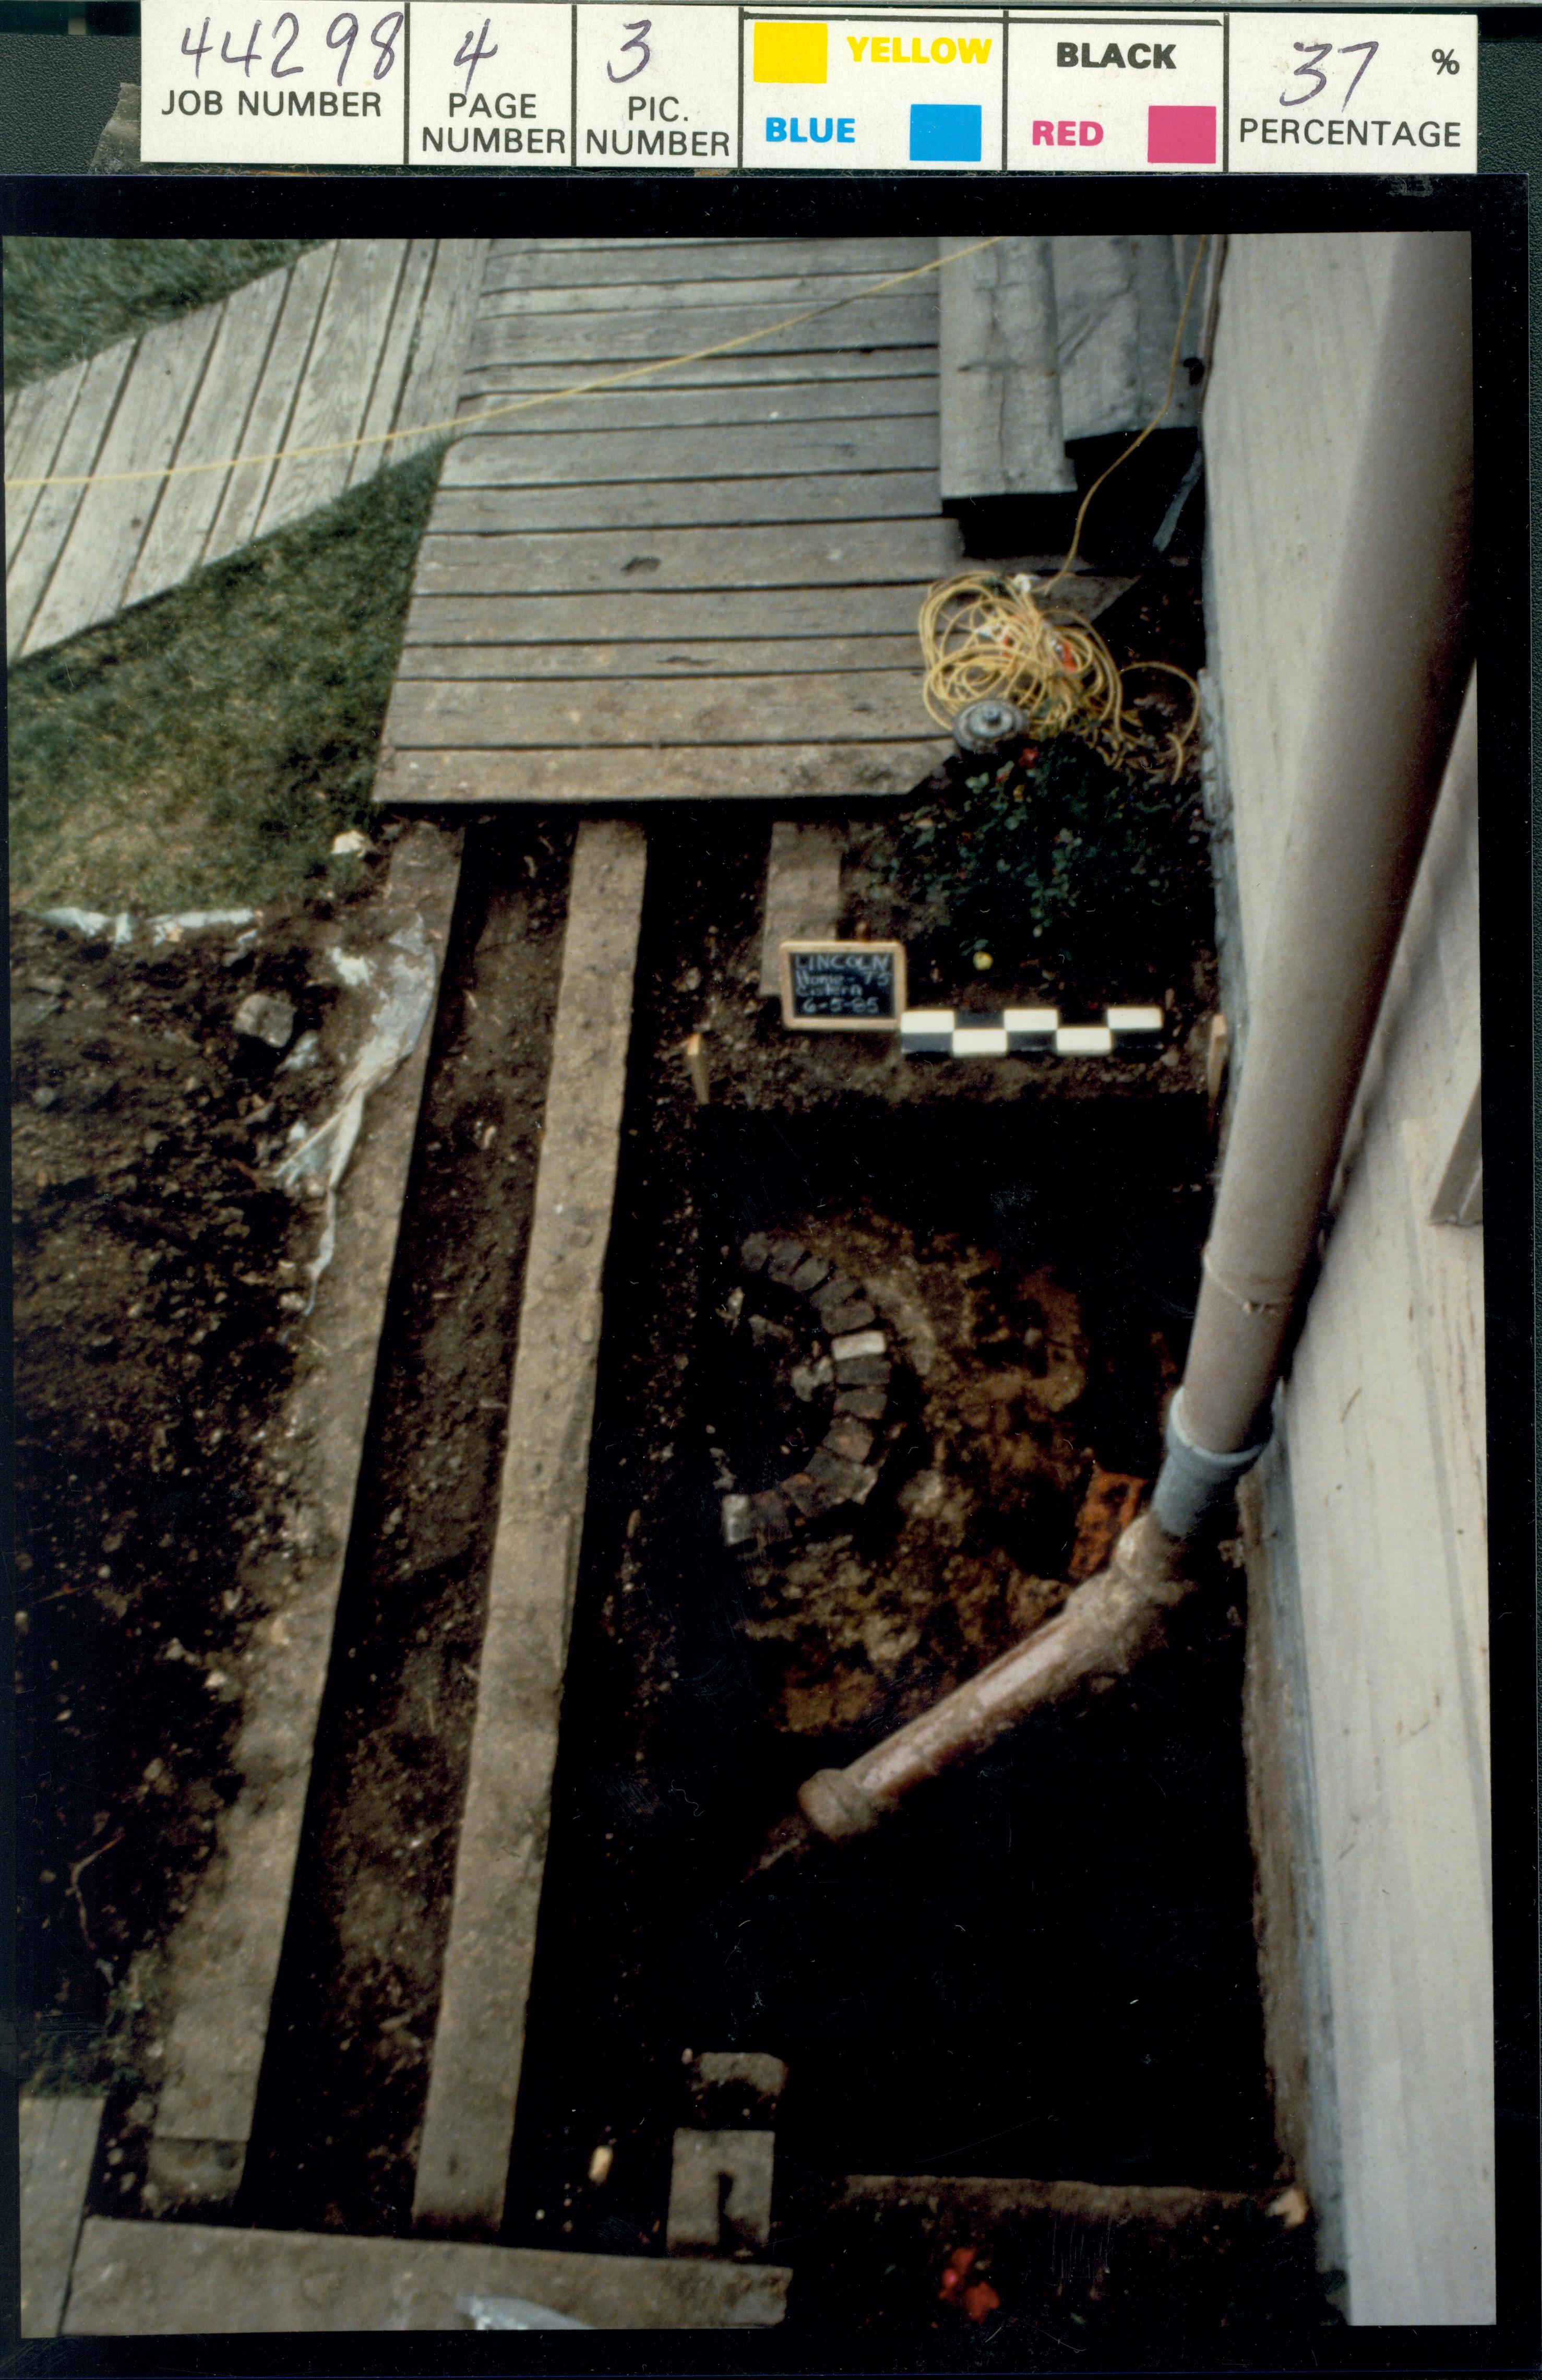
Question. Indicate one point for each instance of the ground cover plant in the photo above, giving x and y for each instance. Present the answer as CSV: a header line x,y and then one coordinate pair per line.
x,y
71,297
208,747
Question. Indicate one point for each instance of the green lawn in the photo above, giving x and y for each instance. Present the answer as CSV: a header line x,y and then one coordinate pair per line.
x,y
70,297
206,747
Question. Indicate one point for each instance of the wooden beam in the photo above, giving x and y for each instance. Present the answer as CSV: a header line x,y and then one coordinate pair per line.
x,y
767,772
884,707
999,396
58,2141
753,501
137,2280
499,1861
847,553
223,1960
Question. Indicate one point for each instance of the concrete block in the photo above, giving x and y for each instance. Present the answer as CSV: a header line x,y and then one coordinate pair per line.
x,y
838,1291
173,2280
754,1252
866,1404
848,1483
803,893
809,1275
58,2141
769,1516
862,1371
783,1261
733,2089
720,2193
807,1496
860,1343
738,1526
849,1438
856,1314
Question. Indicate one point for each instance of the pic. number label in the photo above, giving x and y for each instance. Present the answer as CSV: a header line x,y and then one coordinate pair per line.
x,y
311,83
658,87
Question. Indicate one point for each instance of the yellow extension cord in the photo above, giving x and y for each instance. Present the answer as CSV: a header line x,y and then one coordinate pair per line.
x,y
983,634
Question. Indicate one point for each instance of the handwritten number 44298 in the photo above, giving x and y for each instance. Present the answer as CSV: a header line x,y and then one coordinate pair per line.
x,y
1314,53
341,34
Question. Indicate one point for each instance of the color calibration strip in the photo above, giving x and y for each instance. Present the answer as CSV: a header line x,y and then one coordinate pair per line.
x,y
693,87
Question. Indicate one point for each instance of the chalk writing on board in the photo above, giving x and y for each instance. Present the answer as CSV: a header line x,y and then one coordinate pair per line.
x,y
842,986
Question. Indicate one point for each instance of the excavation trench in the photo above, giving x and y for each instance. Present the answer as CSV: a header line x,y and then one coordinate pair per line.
x,y
1045,1965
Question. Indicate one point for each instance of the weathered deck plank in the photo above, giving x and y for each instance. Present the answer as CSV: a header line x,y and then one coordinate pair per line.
x,y
745,368
58,2141
884,707
179,529
873,610
241,505
548,265
818,500
36,419
28,578
767,772
892,322
620,456
848,553
334,395
682,660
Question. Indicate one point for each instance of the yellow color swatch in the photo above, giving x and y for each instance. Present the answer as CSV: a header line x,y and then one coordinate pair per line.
x,y
792,52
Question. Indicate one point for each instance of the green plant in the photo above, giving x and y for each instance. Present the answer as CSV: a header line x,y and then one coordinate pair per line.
x,y
1045,856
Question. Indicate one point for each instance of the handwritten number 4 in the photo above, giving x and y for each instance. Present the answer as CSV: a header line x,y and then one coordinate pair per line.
x,y
198,55
640,30
1313,51
471,58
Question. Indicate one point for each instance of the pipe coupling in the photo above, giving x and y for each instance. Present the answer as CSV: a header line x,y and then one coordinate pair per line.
x,y
986,725
1193,1481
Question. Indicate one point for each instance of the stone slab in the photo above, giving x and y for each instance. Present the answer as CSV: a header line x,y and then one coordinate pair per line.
x,y
480,2040
705,2217
58,2149
803,893
222,1960
173,2280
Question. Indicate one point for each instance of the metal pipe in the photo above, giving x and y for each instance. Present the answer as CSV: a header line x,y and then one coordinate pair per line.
x,y
1380,712
1379,715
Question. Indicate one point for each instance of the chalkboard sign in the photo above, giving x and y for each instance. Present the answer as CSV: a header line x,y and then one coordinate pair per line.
x,y
842,986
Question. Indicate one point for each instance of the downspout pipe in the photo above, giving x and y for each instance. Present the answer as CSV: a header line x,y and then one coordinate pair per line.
x,y
1379,706
1378,713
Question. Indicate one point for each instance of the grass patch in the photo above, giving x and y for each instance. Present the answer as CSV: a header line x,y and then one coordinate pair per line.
x,y
64,298
205,748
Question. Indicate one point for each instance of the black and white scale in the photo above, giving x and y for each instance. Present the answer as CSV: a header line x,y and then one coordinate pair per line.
x,y
835,987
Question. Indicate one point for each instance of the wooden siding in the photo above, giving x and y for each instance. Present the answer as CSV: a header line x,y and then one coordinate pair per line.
x,y
1375,1501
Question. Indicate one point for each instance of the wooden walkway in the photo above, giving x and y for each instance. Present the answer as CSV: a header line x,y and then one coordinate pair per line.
x,y
706,584
356,337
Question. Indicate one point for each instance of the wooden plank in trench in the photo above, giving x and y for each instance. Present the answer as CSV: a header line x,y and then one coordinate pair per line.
x,y
58,2149
222,1960
135,2280
479,2039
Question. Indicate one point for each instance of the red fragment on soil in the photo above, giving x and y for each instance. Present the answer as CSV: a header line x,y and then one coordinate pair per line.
x,y
1110,1505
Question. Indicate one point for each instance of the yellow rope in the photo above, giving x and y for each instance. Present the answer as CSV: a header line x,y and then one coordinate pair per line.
x,y
464,424
984,634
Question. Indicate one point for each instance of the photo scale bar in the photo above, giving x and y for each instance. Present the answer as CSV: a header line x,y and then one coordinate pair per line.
x,y
595,85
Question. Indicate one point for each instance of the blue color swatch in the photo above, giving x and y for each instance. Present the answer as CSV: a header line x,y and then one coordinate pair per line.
x,y
944,136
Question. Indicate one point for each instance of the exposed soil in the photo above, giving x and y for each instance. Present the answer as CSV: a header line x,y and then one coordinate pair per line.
x,y
158,1274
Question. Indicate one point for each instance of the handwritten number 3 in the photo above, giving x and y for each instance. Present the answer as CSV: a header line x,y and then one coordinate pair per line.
x,y
643,26
1315,52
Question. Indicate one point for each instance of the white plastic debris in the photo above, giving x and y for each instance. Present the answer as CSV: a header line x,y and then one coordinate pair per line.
x,y
94,925
352,967
405,999
302,1057
349,844
515,2313
174,923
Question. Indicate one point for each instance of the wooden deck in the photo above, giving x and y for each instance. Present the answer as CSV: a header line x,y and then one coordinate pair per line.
x,y
356,338
703,585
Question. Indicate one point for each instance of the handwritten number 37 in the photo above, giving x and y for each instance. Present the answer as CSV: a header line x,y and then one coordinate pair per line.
x,y
1314,53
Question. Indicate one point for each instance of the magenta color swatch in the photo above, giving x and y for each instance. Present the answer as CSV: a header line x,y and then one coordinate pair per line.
x,y
1180,136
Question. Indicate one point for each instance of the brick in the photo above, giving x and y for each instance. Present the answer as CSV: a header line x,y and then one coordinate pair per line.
x,y
867,1404
850,1438
863,1372
860,1343
837,1291
769,1516
809,1274
737,1525
855,1315
848,1483
785,1259
754,1252
806,1495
